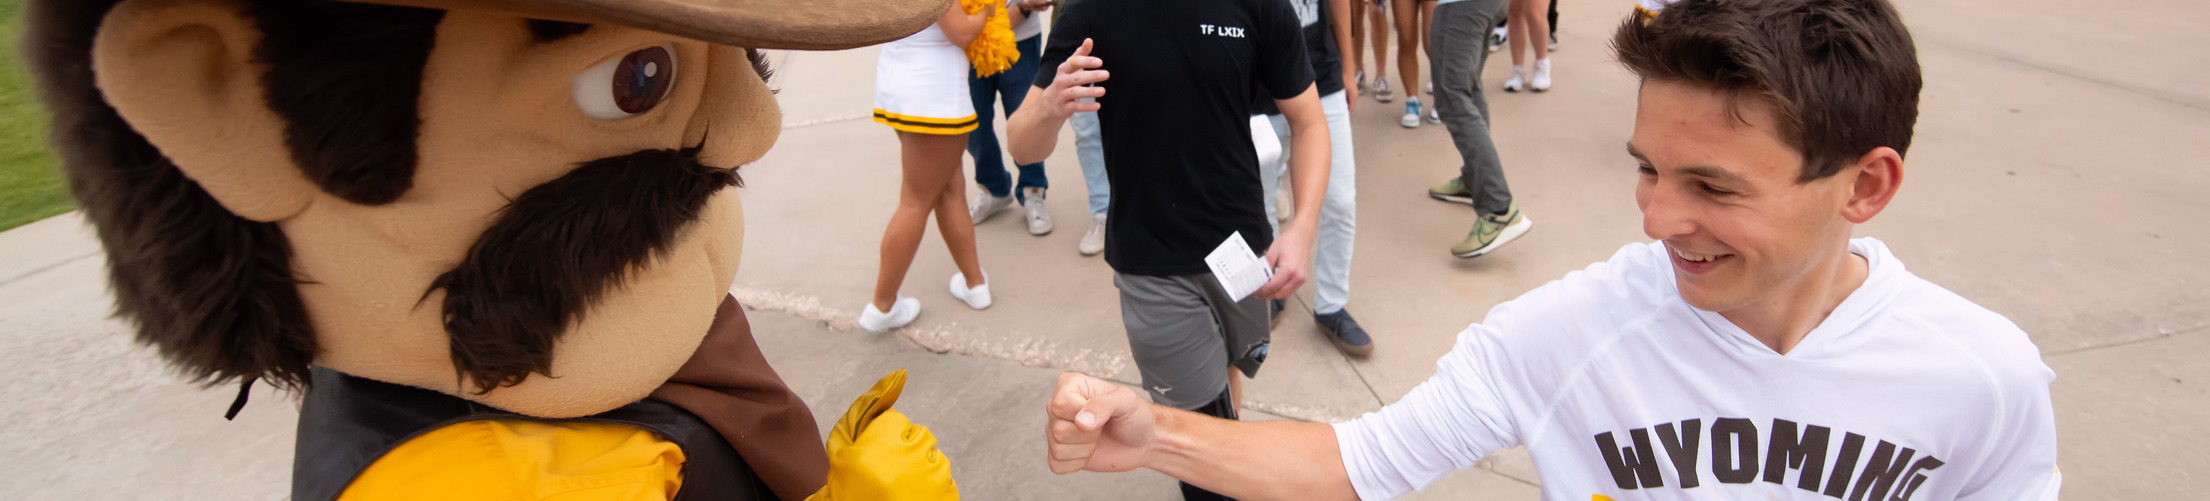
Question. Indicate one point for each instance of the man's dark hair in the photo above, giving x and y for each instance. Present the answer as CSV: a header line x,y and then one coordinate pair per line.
x,y
1841,76
215,293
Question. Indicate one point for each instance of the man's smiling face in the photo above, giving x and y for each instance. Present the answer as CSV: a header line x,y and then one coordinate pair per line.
x,y
1720,190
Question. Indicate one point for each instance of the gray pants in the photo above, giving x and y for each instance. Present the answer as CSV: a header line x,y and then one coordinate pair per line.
x,y
1460,39
1185,333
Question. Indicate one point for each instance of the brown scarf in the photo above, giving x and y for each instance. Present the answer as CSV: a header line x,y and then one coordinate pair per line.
x,y
728,384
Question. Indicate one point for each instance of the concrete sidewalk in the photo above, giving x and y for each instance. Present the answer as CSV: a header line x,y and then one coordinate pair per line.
x,y
2056,178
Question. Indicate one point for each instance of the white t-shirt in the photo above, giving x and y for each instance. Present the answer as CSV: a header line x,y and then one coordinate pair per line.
x,y
1620,390
1033,26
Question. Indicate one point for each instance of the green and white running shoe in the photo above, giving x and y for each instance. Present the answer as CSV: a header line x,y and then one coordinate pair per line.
x,y
1492,231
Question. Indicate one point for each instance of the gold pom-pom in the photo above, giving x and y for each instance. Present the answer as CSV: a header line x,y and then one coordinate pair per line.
x,y
992,51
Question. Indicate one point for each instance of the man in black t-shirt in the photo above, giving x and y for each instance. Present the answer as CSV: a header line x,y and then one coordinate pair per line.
x,y
1175,117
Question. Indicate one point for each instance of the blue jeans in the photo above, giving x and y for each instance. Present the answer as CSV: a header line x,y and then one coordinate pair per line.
x,y
1011,86
1089,149
1331,256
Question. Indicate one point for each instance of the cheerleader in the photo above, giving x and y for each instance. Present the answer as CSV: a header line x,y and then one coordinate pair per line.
x,y
921,92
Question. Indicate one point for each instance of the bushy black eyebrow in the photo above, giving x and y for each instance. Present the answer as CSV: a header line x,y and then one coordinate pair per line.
x,y
543,31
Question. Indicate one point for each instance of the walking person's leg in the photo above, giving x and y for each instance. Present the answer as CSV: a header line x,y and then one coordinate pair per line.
x,y
1180,344
1527,17
1013,87
927,163
1553,20
1406,14
1377,29
1333,246
1089,150
982,144
971,284
1480,180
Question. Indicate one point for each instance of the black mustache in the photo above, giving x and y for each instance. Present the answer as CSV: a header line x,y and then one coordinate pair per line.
x,y
558,248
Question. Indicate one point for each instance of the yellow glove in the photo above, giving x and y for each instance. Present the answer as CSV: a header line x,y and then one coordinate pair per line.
x,y
875,453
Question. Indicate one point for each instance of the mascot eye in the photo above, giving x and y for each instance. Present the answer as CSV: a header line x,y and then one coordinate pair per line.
x,y
627,86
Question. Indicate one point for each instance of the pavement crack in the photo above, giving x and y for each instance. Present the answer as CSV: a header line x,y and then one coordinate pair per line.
x,y
2162,334
949,338
825,121
43,269
954,339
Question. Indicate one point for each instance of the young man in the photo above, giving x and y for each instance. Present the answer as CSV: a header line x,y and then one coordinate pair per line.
x,y
1327,26
1460,27
1175,117
1754,352
1002,191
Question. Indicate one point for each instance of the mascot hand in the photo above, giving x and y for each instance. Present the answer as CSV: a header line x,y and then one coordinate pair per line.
x,y
875,453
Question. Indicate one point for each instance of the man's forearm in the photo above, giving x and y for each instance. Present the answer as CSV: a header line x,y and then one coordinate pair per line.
x,y
1258,460
1309,159
1032,132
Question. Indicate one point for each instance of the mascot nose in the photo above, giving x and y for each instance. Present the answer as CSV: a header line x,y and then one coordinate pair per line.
x,y
737,119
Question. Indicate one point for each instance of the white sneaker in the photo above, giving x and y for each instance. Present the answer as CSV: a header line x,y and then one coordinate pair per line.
x,y
1541,82
1039,220
986,205
1381,90
977,297
1434,117
901,313
1093,241
1518,80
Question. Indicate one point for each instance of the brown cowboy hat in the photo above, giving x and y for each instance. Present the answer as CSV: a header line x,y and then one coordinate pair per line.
x,y
757,24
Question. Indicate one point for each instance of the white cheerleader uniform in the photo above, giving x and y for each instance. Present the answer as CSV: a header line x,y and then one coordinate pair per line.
x,y
921,85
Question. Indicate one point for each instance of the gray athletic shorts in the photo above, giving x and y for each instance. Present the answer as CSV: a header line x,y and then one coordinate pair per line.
x,y
1185,332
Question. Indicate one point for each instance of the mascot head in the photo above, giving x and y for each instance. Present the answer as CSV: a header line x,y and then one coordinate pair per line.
x,y
525,203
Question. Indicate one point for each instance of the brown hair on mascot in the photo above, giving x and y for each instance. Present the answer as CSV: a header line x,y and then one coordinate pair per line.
x,y
490,240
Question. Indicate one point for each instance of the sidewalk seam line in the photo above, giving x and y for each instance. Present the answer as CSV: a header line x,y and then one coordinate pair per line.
x,y
2158,337
50,267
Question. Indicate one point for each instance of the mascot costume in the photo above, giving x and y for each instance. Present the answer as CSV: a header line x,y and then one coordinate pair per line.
x,y
488,241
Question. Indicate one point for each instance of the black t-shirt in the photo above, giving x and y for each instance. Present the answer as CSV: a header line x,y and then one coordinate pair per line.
x,y
1176,119
1327,62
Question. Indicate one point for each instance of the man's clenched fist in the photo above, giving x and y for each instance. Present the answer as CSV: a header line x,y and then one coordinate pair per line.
x,y
1095,425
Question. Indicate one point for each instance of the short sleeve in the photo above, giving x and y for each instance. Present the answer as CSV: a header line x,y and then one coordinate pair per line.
x,y
1283,70
1443,425
1067,32
2021,463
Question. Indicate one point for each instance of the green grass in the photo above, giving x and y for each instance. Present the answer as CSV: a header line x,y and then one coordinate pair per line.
x,y
31,186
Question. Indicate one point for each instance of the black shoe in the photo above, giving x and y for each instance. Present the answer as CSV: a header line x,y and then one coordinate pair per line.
x,y
1273,312
1345,332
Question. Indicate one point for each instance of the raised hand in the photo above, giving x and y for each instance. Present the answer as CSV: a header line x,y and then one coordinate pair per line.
x,y
1072,83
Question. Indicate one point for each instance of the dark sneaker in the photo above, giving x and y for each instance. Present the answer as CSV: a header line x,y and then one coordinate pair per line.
x,y
1345,333
1273,312
1492,231
1454,191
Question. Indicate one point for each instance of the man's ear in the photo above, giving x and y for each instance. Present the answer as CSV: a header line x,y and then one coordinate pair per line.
x,y
1879,176
182,73
738,119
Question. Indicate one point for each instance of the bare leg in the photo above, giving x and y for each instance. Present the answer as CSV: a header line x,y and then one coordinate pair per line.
x,y
1408,44
957,226
926,161
1538,16
1519,30
1378,27
1358,36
